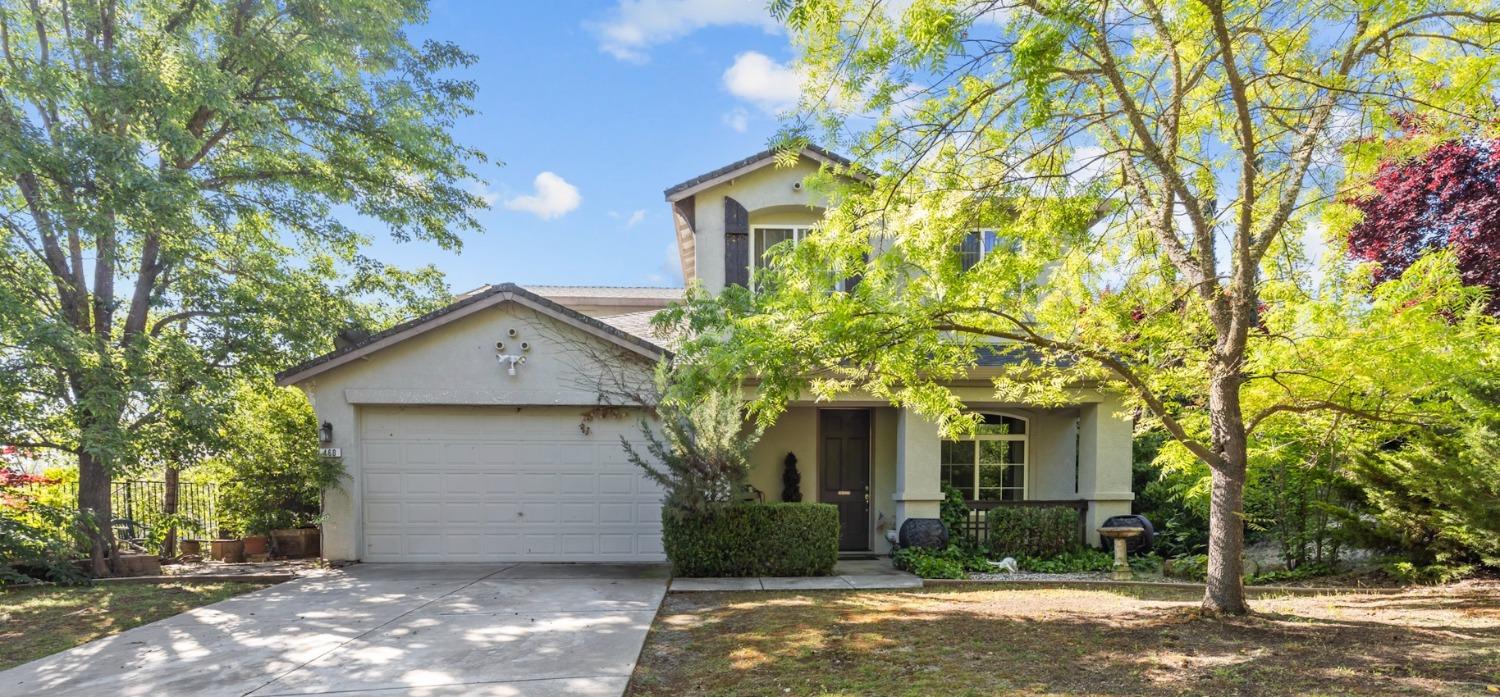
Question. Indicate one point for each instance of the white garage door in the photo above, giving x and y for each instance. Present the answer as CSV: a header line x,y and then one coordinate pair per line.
x,y
503,484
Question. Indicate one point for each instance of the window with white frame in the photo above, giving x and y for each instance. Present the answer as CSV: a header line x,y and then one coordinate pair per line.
x,y
764,238
989,465
981,243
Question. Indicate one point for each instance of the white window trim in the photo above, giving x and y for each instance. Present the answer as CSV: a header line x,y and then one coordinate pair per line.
x,y
1024,438
798,232
985,247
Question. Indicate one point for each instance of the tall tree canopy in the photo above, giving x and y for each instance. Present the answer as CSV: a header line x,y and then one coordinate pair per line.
x,y
1116,192
1445,197
171,172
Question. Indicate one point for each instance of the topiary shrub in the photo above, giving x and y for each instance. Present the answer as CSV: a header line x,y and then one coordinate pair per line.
x,y
769,539
1033,531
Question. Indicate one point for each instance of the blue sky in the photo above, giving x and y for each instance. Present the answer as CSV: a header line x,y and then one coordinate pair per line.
x,y
609,103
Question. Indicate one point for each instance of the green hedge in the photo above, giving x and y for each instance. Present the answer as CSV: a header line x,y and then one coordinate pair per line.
x,y
1033,531
766,539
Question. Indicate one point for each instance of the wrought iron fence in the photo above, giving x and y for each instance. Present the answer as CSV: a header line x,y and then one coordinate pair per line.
x,y
976,525
138,506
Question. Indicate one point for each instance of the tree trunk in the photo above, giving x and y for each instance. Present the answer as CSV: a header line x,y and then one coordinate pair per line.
x,y
1224,591
94,507
172,480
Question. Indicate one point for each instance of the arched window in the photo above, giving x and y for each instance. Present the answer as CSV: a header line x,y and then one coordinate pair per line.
x,y
991,464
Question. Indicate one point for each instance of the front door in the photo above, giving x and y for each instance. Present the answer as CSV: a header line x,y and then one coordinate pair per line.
x,y
844,472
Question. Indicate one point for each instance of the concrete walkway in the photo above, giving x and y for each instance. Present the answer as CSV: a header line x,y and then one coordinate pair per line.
x,y
863,574
381,629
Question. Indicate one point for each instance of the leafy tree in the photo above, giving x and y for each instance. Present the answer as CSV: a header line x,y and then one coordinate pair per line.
x,y
171,173
266,464
1435,495
701,458
1142,173
1445,197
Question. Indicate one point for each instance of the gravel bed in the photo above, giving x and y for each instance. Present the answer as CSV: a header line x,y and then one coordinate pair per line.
x,y
1033,576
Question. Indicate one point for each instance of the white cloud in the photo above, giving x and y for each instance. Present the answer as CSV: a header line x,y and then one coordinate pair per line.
x,y
554,197
756,78
670,271
634,26
738,119
483,191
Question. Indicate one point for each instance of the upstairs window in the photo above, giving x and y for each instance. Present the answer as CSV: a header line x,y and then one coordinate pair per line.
x,y
979,244
763,239
991,464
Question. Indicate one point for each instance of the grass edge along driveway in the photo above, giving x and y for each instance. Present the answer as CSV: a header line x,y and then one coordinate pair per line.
x,y
38,621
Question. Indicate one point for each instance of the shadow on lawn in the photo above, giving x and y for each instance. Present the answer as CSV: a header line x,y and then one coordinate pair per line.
x,y
1128,641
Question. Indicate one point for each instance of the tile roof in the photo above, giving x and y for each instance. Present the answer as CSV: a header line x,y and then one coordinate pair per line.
x,y
753,159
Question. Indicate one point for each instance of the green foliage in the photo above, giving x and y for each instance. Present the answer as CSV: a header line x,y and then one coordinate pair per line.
x,y
1033,531
1078,560
953,562
38,540
1433,495
1166,497
1193,567
701,458
770,539
954,512
1301,573
269,473
1408,572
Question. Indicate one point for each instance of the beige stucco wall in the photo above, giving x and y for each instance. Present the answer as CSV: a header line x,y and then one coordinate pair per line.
x,y
768,194
797,432
455,364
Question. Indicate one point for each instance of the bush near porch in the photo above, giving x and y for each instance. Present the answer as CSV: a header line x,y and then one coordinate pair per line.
x,y
769,539
1033,531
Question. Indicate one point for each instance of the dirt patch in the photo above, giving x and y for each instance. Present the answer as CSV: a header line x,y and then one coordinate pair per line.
x,y
976,640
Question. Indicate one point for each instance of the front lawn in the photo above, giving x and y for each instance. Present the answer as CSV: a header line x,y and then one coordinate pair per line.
x,y
977,640
40,621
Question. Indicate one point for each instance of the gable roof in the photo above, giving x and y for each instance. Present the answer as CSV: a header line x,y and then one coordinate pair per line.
x,y
465,305
750,164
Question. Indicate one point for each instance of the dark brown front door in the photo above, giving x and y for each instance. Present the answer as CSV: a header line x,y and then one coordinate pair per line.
x,y
844,472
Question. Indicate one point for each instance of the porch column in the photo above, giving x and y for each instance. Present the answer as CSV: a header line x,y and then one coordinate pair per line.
x,y
918,480
1104,438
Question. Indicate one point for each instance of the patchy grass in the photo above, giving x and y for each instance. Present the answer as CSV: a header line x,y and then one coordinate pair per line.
x,y
976,640
40,621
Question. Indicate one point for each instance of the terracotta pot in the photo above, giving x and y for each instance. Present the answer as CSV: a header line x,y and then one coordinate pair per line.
x,y
231,551
190,548
254,544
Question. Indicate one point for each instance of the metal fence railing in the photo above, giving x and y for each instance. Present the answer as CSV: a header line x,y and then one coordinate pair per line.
x,y
976,525
139,506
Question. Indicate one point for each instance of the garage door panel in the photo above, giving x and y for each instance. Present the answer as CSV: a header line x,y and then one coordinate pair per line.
x,y
502,484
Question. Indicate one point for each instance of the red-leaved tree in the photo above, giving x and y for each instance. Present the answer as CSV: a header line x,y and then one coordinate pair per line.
x,y
1447,197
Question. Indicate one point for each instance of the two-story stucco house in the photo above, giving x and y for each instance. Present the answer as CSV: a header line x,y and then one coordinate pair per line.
x,y
474,434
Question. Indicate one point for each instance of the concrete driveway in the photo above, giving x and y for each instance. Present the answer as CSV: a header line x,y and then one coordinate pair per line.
x,y
382,629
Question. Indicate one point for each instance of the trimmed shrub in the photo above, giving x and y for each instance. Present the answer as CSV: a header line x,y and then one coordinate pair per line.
x,y
1033,531
765,539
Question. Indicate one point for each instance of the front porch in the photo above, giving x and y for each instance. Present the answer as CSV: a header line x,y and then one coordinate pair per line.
x,y
882,465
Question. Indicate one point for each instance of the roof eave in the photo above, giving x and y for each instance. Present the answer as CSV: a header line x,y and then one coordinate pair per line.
x,y
490,297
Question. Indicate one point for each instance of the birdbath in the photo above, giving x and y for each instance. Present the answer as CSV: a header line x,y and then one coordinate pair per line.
x,y
1121,535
